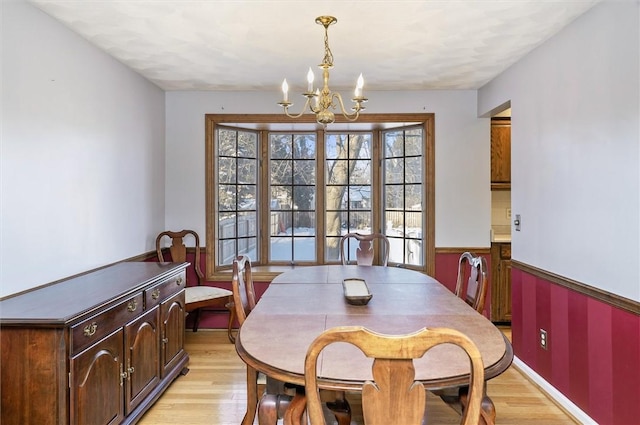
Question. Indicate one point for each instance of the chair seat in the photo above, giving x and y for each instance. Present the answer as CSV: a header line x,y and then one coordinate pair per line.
x,y
194,294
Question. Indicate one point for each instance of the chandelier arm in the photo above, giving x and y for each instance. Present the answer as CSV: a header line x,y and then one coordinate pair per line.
x,y
304,108
352,116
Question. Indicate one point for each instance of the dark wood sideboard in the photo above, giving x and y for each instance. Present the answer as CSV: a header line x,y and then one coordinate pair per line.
x,y
94,349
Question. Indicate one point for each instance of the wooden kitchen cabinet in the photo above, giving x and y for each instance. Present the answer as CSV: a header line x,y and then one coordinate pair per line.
x,y
501,153
87,350
501,282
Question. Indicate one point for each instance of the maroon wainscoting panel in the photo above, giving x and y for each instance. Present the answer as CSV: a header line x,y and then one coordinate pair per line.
x,y
593,354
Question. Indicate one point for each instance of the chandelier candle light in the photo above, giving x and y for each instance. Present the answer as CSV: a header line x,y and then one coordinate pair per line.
x,y
323,101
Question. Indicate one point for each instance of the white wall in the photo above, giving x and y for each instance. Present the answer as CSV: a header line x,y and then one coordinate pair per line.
x,y
575,149
82,154
463,198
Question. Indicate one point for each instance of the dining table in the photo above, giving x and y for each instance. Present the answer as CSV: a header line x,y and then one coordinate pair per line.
x,y
300,304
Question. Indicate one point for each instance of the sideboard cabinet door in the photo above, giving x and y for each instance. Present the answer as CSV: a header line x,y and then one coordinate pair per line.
x,y
96,383
142,342
172,314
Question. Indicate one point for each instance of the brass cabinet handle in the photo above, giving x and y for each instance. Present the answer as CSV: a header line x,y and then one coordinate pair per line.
x,y
165,340
123,375
133,304
155,294
91,329
130,369
179,281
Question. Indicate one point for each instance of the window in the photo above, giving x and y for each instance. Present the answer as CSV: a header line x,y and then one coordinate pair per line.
x,y
292,187
236,181
286,197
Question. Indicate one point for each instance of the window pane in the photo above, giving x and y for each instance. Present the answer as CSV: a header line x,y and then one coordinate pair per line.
x,y
247,144
393,144
280,223
304,223
334,146
226,197
394,197
413,143
227,142
394,170
226,226
247,246
413,198
360,146
247,171
361,172
304,249
359,197
304,146
280,248
304,172
281,172
280,146
246,197
413,170
226,170
337,172
360,222
246,224
304,198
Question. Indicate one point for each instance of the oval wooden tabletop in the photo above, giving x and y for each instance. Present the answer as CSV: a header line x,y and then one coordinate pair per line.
x,y
302,303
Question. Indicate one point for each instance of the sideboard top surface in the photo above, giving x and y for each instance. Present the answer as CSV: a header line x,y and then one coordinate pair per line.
x,y
63,302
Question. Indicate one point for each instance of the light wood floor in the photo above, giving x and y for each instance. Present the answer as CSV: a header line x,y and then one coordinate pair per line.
x,y
214,392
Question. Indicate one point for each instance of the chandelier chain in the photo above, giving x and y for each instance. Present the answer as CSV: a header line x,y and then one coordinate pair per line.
x,y
328,56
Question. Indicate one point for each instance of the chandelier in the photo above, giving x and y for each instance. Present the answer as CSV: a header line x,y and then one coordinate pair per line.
x,y
324,100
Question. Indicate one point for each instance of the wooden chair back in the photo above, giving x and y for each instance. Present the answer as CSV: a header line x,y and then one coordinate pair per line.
x,y
178,250
394,398
364,251
244,297
198,296
472,281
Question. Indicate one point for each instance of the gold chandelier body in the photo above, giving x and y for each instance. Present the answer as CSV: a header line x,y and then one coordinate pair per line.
x,y
324,101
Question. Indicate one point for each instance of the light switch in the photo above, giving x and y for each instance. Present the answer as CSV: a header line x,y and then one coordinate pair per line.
x,y
517,222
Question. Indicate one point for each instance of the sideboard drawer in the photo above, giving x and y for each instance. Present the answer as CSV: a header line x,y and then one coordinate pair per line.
x,y
164,290
94,328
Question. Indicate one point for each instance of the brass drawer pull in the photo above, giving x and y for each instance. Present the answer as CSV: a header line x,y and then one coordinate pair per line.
x,y
90,330
155,294
179,281
133,304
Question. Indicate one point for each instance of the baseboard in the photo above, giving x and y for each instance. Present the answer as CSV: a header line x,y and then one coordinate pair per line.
x,y
560,399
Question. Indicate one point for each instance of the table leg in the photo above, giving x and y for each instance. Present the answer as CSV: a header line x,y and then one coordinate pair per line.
x,y
295,413
339,406
456,398
272,407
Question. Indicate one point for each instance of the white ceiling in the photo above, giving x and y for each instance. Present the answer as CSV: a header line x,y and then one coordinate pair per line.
x,y
254,44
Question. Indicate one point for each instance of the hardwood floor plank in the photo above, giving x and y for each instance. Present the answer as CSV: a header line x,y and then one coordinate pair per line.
x,y
214,393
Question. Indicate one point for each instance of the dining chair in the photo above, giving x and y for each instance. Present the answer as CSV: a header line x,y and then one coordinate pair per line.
x,y
274,404
274,399
198,296
393,397
364,252
472,281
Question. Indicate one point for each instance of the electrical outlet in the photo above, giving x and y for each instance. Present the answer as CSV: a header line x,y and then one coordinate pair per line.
x,y
544,340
